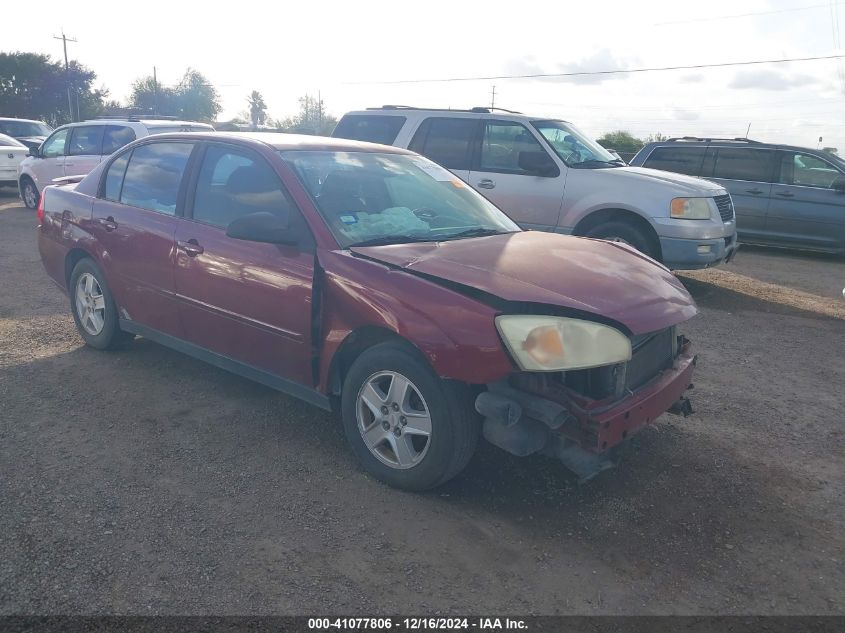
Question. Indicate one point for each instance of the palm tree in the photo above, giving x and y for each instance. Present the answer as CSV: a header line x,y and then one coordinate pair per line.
x,y
257,109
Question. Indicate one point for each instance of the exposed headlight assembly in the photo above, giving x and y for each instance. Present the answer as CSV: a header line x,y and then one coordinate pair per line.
x,y
691,208
548,343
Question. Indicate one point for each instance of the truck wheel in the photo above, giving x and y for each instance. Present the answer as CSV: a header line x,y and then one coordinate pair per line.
x,y
620,231
93,307
29,193
408,427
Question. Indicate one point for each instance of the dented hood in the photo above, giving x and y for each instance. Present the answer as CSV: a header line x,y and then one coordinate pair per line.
x,y
602,278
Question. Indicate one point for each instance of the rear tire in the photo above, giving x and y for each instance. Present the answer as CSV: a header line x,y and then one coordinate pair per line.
x,y
392,447
622,231
93,307
29,193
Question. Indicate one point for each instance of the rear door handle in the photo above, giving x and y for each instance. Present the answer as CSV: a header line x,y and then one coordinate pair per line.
x,y
107,223
486,184
191,248
755,191
784,194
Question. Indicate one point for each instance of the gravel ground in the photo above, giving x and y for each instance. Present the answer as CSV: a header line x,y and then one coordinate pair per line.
x,y
145,482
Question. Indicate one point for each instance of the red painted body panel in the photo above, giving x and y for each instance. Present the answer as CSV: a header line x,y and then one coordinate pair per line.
x,y
587,275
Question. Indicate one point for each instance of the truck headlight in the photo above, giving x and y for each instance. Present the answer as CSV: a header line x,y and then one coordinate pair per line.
x,y
691,208
548,343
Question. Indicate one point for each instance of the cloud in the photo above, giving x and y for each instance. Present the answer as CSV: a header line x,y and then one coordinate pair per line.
x,y
765,79
692,78
601,60
682,114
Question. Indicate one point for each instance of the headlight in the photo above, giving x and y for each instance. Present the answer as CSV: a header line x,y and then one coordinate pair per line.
x,y
547,343
691,208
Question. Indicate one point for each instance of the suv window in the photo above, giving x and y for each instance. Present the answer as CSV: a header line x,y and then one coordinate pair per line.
x,y
86,140
743,164
55,145
372,128
115,137
502,143
233,183
446,141
154,174
806,170
683,160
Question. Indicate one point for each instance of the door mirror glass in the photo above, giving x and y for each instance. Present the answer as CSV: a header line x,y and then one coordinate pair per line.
x,y
270,228
537,163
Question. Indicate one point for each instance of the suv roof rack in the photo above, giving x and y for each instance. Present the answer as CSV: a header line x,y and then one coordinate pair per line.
x,y
737,139
134,117
476,109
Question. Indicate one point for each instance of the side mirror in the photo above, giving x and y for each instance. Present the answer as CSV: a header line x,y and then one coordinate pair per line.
x,y
538,163
838,185
264,227
34,152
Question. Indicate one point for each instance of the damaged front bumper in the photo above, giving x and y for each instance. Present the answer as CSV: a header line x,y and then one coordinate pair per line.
x,y
532,414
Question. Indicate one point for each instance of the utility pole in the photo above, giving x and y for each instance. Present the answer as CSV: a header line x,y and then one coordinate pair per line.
x,y
748,130
155,92
65,40
493,99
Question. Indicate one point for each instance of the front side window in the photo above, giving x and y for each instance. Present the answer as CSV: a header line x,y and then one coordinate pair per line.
x,y
806,170
372,198
55,145
681,160
373,128
86,140
575,148
115,137
154,175
446,141
743,164
232,184
501,145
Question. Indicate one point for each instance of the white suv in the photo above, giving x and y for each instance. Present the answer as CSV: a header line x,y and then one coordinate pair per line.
x,y
549,176
77,148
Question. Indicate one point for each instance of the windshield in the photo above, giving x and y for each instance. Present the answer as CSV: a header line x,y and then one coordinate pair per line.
x,y
573,146
24,128
369,198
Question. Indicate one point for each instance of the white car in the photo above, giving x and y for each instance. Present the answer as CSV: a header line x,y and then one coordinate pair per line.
x,y
77,148
12,152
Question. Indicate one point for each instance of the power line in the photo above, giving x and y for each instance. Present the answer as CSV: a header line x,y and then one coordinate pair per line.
x,y
743,15
598,72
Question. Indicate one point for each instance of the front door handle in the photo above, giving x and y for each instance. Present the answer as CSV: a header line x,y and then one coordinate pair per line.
x,y
486,184
755,191
784,194
107,223
191,248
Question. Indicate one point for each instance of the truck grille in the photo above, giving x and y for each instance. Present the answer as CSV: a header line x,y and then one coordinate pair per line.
x,y
726,207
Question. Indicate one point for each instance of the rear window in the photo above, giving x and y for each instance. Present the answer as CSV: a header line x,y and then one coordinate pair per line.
x,y
682,160
743,164
372,128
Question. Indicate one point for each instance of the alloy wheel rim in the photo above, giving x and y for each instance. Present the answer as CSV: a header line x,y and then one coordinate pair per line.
x,y
29,194
90,304
394,420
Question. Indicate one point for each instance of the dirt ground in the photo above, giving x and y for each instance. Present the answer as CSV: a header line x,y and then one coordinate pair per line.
x,y
145,482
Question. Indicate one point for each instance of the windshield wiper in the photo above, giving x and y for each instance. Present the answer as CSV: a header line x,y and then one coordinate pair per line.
x,y
593,162
476,232
385,240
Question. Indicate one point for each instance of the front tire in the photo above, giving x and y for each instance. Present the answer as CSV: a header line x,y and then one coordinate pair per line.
x,y
626,232
29,193
408,427
93,307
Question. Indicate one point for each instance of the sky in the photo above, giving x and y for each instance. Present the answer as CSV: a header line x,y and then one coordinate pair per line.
x,y
342,50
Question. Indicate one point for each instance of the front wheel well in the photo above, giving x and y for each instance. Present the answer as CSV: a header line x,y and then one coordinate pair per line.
x,y
603,216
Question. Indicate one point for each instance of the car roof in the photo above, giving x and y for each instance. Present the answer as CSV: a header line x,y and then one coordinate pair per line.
x,y
728,142
12,118
282,141
477,112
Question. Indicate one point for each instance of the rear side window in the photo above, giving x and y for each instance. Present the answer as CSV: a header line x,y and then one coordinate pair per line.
x,y
372,128
682,160
86,140
232,183
115,137
446,141
154,175
743,164
114,178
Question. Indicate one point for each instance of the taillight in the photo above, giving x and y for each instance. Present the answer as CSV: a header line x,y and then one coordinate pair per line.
x,y
40,212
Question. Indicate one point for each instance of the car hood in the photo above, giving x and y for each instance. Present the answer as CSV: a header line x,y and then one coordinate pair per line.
x,y
31,141
683,185
607,279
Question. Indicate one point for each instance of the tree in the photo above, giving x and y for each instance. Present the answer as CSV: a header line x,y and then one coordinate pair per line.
x,y
311,119
33,86
257,109
621,141
656,137
193,98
